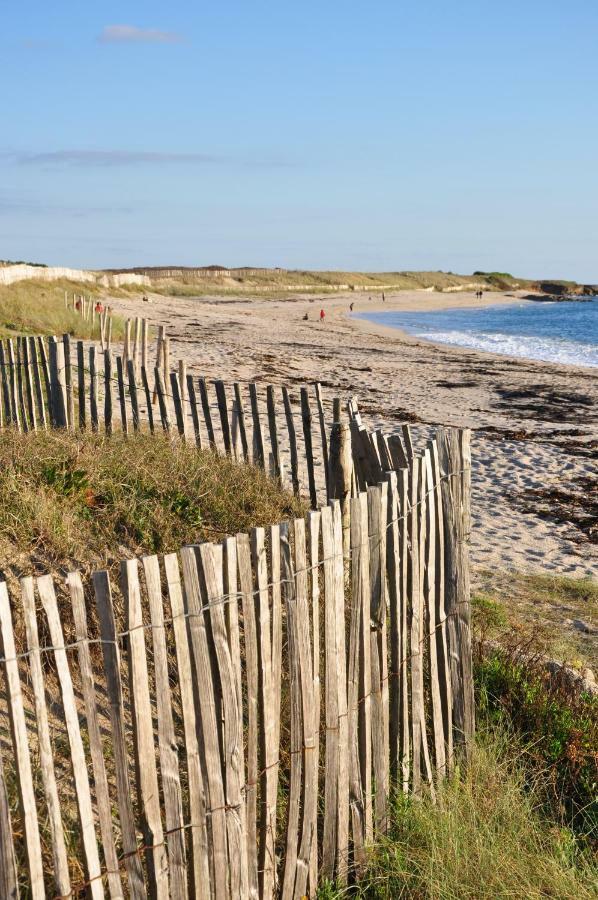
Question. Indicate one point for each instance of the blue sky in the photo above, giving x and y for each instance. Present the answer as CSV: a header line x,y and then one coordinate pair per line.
x,y
384,135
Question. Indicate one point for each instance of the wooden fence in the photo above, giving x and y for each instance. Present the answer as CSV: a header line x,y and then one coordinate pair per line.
x,y
58,383
231,721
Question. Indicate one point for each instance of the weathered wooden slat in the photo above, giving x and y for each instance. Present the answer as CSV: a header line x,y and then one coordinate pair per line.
x,y
45,587
336,793
182,373
148,399
178,403
132,380
202,664
258,453
8,864
207,414
108,391
295,744
361,584
275,532
5,369
444,666
241,420
355,662
395,599
308,443
81,394
21,386
122,397
160,392
59,386
200,880
455,464
406,431
93,390
416,659
405,732
28,381
143,738
309,792
431,624
377,516
268,750
273,429
251,663
397,453
313,758
232,715
323,435
194,412
288,411
88,691
169,761
68,376
422,502
223,412
12,386
43,359
46,761
22,758
37,382
132,860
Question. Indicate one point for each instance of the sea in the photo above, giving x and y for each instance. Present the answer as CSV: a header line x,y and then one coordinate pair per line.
x,y
563,332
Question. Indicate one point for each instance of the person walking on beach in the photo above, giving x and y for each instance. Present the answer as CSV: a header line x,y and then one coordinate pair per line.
x,y
383,297
322,315
351,307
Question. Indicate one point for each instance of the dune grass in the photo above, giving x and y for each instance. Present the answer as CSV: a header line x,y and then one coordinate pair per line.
x,y
37,307
555,612
84,501
484,838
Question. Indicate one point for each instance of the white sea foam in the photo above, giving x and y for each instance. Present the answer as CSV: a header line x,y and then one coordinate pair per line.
x,y
530,347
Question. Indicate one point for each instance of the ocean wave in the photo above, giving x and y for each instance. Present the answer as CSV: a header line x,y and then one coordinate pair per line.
x,y
527,346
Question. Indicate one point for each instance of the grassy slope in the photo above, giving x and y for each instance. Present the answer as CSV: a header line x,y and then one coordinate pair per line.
x,y
37,307
83,501
310,281
549,610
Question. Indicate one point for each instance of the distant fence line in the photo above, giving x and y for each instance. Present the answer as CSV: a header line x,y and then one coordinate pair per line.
x,y
300,675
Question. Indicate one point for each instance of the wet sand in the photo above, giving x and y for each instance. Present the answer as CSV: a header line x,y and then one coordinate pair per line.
x,y
535,424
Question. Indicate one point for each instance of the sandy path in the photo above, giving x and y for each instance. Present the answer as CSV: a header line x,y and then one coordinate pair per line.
x,y
549,409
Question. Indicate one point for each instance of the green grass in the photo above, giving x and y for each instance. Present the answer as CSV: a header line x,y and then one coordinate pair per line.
x,y
84,501
546,609
484,838
558,727
274,283
37,307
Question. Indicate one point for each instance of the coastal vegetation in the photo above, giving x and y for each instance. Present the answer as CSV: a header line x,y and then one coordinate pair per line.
x,y
83,500
38,307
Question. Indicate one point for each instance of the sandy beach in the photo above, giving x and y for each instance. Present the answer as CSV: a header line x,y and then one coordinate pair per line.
x,y
535,424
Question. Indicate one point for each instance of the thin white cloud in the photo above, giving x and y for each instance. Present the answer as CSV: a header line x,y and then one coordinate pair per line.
x,y
120,34
87,158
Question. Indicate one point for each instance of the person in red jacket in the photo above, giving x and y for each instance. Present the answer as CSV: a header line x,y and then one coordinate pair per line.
x,y
322,314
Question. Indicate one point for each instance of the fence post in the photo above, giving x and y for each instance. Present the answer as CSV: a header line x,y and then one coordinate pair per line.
x,y
455,463
57,384
340,470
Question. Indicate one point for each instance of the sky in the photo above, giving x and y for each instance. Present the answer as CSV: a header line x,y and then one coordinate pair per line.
x,y
379,136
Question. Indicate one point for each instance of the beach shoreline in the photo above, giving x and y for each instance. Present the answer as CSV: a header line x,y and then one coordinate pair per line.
x,y
535,424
